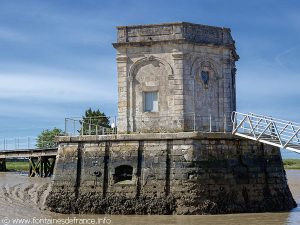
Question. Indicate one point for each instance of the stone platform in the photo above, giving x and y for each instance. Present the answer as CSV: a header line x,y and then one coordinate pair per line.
x,y
168,173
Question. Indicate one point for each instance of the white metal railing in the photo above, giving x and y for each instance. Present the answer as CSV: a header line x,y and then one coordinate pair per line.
x,y
187,122
149,123
24,143
100,125
266,129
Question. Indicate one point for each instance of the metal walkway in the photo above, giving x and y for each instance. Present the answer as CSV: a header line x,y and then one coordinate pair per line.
x,y
268,130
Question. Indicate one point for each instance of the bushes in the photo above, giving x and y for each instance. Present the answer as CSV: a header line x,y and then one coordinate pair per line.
x,y
291,163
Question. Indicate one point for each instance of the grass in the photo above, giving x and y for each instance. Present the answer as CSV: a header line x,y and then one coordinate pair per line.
x,y
17,166
291,164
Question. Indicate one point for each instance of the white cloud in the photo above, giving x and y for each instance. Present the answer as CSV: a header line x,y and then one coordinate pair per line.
x,y
54,88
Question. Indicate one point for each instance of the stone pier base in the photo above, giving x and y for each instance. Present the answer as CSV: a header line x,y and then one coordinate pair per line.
x,y
180,173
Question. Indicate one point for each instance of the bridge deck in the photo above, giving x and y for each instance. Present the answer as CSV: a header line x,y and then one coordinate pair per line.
x,y
26,153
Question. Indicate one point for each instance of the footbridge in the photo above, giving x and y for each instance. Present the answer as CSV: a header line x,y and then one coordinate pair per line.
x,y
41,160
265,129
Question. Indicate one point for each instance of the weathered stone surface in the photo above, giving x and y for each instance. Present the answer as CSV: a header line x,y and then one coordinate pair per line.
x,y
170,59
193,174
161,167
93,202
195,33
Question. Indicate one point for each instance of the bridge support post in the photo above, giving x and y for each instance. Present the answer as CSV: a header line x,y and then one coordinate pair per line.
x,y
51,161
34,166
47,166
41,166
2,165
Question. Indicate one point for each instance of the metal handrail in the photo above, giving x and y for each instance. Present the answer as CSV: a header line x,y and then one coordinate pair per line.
x,y
266,129
274,118
23,143
161,123
80,127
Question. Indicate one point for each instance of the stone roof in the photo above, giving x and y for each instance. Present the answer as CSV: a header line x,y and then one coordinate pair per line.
x,y
179,31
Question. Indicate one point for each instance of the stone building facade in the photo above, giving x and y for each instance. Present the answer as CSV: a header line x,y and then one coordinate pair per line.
x,y
190,68
186,72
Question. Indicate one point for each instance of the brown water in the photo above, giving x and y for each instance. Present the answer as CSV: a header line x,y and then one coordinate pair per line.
x,y
22,198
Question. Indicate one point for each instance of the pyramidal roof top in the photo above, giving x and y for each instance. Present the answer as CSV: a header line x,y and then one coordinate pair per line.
x,y
178,31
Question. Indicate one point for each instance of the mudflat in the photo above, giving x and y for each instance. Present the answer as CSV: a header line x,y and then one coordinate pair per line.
x,y
23,198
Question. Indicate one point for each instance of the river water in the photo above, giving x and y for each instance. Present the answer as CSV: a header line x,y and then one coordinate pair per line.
x,y
22,199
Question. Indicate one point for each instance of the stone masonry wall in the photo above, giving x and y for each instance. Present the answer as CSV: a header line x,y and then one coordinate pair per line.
x,y
184,173
170,59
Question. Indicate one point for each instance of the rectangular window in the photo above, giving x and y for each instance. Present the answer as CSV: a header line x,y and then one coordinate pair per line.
x,y
150,101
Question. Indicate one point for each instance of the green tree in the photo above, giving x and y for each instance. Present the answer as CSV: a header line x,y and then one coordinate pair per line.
x,y
46,138
94,122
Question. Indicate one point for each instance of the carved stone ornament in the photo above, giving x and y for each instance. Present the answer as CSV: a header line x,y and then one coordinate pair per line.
x,y
141,61
151,58
122,59
205,77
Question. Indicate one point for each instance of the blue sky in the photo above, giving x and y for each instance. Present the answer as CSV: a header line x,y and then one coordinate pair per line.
x,y
56,57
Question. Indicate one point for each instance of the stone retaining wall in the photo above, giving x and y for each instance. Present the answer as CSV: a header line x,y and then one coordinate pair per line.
x,y
183,173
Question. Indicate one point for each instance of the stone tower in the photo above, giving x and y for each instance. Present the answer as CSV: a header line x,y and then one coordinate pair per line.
x,y
175,77
172,77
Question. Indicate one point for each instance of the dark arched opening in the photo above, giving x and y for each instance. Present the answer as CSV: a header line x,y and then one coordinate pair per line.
x,y
122,173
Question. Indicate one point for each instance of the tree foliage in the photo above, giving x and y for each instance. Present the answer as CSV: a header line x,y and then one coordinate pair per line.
x,y
46,138
94,121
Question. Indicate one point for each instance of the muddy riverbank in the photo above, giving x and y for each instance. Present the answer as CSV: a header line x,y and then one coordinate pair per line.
x,y
23,198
